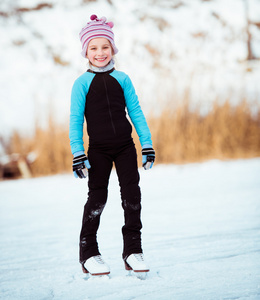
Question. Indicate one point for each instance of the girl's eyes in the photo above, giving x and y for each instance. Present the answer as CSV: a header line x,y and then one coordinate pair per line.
x,y
94,48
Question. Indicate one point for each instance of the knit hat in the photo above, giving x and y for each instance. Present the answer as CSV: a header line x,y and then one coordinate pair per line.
x,y
96,28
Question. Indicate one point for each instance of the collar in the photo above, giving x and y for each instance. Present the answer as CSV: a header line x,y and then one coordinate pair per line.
x,y
109,67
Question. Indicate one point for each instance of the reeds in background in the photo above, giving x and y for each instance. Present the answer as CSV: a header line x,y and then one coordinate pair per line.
x,y
184,135
180,135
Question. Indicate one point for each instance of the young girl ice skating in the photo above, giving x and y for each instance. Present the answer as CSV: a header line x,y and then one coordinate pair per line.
x,y
102,95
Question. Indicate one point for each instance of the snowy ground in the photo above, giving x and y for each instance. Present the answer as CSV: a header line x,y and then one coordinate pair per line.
x,y
201,236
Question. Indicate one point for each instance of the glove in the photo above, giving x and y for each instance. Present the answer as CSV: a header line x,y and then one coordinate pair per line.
x,y
80,166
148,157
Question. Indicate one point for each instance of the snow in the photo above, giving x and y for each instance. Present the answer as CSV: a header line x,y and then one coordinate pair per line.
x,y
201,226
166,51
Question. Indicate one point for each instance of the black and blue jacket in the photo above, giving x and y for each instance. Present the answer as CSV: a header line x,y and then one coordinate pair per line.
x,y
103,99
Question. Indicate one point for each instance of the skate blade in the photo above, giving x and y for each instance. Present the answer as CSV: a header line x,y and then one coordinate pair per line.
x,y
141,274
88,277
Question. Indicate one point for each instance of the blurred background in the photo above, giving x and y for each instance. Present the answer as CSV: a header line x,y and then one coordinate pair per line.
x,y
194,63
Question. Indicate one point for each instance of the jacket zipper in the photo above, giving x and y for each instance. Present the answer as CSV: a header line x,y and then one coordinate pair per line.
x,y
108,102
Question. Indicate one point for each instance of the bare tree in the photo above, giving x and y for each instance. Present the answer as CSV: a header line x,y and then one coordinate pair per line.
x,y
250,54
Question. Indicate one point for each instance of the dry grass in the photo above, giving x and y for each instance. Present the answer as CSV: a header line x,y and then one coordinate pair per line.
x,y
226,132
180,135
51,147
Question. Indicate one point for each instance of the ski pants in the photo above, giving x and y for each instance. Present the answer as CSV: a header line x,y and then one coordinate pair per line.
x,y
101,160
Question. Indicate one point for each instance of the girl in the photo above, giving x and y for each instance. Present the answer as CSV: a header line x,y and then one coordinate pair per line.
x,y
101,95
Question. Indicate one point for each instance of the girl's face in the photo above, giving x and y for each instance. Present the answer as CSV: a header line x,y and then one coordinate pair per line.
x,y
99,52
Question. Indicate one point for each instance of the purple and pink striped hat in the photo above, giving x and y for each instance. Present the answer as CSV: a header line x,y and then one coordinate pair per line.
x,y
94,29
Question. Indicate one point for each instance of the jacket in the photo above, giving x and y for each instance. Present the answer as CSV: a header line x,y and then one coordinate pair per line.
x,y
102,98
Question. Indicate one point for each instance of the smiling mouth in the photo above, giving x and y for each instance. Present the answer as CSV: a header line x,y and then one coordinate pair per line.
x,y
101,59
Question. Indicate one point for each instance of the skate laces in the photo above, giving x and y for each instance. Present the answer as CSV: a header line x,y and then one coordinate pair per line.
x,y
99,259
139,256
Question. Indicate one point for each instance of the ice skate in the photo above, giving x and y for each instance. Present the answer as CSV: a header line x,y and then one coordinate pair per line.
x,y
135,262
95,266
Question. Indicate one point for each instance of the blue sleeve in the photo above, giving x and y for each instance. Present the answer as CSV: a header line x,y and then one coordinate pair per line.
x,y
135,112
77,111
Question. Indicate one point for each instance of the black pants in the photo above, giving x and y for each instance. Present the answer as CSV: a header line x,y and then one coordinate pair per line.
x,y
101,160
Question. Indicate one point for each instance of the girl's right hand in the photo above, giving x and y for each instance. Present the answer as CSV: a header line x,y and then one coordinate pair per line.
x,y
80,166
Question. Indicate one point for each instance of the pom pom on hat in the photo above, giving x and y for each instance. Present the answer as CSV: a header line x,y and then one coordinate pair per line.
x,y
103,19
93,17
94,29
110,24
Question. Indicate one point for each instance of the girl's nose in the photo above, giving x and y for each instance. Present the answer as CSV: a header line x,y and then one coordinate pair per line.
x,y
100,51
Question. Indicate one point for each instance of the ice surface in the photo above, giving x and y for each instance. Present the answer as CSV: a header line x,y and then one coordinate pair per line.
x,y
201,236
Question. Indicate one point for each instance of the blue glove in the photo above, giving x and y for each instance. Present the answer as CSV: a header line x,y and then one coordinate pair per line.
x,y
148,157
80,165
